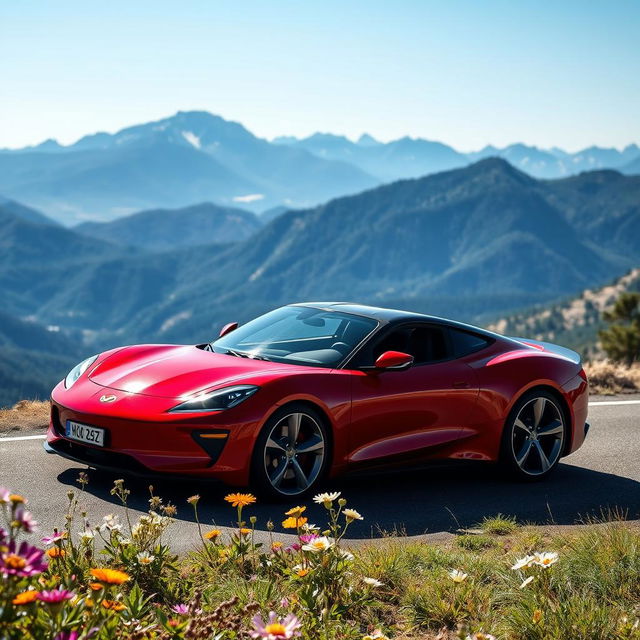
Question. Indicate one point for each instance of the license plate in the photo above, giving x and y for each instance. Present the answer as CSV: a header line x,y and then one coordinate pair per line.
x,y
85,433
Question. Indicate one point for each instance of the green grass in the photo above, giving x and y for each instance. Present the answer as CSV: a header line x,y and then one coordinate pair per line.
x,y
499,525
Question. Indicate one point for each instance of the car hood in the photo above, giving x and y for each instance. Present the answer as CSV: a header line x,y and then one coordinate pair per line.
x,y
171,371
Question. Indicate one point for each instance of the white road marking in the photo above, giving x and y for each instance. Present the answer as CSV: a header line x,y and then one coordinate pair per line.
x,y
606,403
611,403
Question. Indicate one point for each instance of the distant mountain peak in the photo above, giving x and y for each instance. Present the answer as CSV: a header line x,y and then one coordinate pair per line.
x,y
365,140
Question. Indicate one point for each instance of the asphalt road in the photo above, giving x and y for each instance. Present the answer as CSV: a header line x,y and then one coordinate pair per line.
x,y
602,476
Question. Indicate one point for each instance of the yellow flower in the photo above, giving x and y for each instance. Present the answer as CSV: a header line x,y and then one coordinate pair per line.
x,y
193,499
56,552
109,576
296,512
25,597
537,616
212,535
276,546
294,523
458,576
113,605
240,499
16,498
95,586
244,531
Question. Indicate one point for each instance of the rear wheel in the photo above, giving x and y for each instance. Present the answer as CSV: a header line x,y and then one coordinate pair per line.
x,y
534,436
291,454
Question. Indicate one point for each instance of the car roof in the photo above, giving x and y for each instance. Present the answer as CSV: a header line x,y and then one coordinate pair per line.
x,y
391,316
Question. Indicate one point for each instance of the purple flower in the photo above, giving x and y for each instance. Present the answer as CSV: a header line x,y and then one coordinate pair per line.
x,y
180,609
3,535
67,635
294,547
306,538
23,519
56,537
55,596
274,628
25,561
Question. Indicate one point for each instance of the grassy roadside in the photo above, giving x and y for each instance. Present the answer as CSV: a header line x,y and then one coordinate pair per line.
x,y
108,578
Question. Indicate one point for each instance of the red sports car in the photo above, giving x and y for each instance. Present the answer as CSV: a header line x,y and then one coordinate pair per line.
x,y
312,390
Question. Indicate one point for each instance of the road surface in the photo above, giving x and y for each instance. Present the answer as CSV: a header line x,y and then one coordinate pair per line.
x,y
604,475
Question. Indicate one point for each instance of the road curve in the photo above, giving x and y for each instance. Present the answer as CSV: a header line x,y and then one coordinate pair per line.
x,y
604,475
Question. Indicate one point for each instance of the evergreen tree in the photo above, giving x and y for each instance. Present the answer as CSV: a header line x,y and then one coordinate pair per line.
x,y
621,340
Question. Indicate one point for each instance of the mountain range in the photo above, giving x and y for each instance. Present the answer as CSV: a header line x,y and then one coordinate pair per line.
x,y
195,156
473,243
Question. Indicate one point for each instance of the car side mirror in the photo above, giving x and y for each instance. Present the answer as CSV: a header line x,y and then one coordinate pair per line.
x,y
394,360
228,328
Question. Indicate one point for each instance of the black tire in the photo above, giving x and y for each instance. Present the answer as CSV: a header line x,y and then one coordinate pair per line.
x,y
309,457
534,436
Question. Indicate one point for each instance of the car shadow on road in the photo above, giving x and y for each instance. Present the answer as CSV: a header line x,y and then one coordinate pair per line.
x,y
410,501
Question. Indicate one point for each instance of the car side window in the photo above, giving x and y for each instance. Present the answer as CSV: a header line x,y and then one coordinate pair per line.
x,y
465,342
426,343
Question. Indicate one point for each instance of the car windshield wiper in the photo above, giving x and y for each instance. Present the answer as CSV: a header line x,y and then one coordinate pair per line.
x,y
244,354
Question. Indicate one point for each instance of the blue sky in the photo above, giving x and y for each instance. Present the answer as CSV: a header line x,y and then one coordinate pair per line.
x,y
464,72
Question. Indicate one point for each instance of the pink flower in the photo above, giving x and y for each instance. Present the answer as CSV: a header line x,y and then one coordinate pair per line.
x,y
5,495
67,635
306,538
274,628
24,561
24,520
294,547
56,537
180,609
55,596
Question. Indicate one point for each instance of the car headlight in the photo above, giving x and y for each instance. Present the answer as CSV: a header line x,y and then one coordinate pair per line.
x,y
77,371
218,400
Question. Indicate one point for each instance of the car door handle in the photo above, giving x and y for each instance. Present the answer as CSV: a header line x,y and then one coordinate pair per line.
x,y
461,385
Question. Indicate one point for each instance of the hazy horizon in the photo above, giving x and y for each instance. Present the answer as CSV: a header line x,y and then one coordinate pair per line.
x,y
464,73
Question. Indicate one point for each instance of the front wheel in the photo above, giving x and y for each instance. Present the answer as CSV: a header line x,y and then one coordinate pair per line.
x,y
291,453
534,436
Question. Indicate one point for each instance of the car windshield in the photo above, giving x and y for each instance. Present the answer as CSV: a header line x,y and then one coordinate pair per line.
x,y
297,335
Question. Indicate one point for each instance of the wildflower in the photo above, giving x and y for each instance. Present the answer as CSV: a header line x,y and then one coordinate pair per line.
x,y
319,544
274,628
193,500
377,635
113,605
295,512
276,546
24,520
306,538
25,597
537,616
212,535
240,499
5,496
56,537
527,581
55,596
346,555
56,552
109,576
95,586
326,499
457,576
24,561
244,531
545,559
293,547
110,522
169,510
351,515
86,536
284,602
144,557
480,635
68,635
300,570
293,523
16,498
180,609
523,563
373,582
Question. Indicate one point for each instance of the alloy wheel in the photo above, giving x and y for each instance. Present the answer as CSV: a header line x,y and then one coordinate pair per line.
x,y
537,437
294,453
